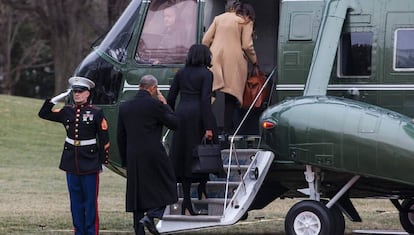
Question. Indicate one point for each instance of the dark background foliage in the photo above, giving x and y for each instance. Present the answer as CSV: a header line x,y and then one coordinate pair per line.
x,y
43,41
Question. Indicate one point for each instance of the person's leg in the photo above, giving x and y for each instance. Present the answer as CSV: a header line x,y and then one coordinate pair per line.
x,y
90,186
186,205
76,203
201,189
138,227
156,212
148,219
229,108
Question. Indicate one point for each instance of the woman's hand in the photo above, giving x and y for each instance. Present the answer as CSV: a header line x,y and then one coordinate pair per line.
x,y
209,134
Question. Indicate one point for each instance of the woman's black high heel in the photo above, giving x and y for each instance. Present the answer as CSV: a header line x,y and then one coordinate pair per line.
x,y
187,208
201,190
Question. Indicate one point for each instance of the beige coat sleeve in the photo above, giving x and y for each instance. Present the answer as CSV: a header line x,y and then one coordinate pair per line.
x,y
209,35
247,42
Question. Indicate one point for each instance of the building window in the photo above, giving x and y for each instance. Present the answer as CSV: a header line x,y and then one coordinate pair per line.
x,y
355,54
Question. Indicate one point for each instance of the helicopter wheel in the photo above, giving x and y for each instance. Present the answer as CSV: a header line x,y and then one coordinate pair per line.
x,y
338,227
338,223
407,215
308,218
245,216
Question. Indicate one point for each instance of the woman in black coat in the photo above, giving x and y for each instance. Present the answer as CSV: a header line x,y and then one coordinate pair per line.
x,y
196,119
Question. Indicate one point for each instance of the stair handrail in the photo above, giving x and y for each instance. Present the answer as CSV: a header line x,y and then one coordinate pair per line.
x,y
232,146
164,138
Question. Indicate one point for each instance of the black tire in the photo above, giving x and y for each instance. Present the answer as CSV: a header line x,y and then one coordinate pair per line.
x,y
338,227
245,216
308,217
338,222
407,217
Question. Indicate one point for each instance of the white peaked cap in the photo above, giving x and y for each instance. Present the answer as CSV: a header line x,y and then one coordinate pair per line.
x,y
79,82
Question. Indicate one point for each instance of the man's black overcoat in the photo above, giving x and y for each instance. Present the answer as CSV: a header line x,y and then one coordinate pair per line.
x,y
151,180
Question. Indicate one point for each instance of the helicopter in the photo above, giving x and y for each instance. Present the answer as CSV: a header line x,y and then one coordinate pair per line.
x,y
337,124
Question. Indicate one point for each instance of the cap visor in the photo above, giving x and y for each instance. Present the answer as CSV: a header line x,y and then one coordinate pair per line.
x,y
79,88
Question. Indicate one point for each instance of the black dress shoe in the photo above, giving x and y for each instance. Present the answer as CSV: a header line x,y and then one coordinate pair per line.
x,y
139,229
149,223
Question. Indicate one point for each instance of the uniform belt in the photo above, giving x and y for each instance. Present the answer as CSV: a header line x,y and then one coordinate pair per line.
x,y
80,142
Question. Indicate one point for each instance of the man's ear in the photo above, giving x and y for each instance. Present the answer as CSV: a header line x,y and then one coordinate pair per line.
x,y
153,90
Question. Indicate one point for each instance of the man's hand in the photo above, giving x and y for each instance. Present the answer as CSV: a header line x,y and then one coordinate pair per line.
x,y
160,97
60,96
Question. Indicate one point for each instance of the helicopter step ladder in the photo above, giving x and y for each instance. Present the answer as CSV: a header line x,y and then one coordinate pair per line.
x,y
228,199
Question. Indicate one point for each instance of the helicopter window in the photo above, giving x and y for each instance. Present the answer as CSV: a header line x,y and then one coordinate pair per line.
x,y
355,54
169,31
404,50
117,40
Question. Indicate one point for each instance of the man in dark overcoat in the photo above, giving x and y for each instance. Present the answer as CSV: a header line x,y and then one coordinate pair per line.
x,y
151,182
86,149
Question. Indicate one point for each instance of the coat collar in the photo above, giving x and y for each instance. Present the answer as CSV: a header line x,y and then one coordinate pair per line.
x,y
143,93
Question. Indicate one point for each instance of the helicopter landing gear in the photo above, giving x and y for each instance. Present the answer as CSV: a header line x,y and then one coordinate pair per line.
x,y
338,219
316,216
407,215
308,217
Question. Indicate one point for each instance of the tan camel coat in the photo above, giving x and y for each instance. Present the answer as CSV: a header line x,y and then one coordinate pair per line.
x,y
229,38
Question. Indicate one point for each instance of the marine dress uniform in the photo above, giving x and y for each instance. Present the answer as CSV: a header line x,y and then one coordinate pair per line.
x,y
85,150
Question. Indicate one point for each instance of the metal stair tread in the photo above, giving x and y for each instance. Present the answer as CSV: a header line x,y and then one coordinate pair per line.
x,y
195,218
233,166
241,150
214,200
231,183
249,137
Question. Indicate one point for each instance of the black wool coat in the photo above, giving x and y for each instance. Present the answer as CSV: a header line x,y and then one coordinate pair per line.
x,y
150,176
193,85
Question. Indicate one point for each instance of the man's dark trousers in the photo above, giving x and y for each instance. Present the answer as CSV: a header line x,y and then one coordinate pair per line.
x,y
151,213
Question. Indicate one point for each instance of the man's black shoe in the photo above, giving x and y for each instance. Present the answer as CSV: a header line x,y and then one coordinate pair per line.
x,y
149,223
139,229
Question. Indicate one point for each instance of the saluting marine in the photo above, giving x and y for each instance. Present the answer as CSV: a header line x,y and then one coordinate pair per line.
x,y
86,148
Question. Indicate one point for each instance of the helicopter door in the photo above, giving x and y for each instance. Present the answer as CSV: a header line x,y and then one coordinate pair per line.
x,y
398,63
265,44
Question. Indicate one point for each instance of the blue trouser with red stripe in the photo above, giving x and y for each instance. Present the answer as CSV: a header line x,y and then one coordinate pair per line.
x,y
83,193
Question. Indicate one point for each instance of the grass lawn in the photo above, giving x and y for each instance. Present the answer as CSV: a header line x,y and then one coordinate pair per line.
x,y
34,198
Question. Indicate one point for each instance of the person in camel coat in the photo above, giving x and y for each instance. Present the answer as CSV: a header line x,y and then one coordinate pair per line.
x,y
230,40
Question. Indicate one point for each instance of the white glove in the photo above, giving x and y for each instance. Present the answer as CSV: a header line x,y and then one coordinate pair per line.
x,y
60,96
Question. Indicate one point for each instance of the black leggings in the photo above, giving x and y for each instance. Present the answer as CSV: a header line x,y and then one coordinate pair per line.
x,y
187,189
230,106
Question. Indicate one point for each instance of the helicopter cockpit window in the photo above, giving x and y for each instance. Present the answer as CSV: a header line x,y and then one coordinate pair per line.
x,y
117,40
355,54
404,50
169,31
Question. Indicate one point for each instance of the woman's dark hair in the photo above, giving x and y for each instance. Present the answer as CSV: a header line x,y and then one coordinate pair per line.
x,y
198,55
244,9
